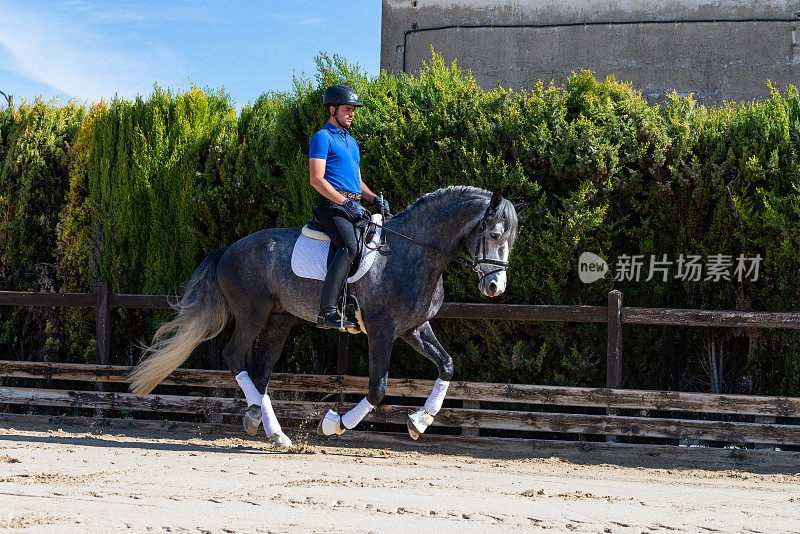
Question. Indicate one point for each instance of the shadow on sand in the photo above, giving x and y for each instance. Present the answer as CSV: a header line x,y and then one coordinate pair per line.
x,y
231,439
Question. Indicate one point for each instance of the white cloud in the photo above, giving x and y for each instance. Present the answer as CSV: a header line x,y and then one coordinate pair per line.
x,y
110,13
299,20
81,49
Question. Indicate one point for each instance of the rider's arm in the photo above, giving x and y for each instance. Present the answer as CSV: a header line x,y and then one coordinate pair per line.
x,y
366,192
316,169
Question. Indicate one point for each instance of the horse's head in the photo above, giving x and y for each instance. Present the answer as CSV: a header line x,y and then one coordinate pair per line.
x,y
490,244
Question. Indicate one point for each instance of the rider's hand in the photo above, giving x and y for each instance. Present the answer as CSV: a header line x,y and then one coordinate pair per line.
x,y
382,204
355,209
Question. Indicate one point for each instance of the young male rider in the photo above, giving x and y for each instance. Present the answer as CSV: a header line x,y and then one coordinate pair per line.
x,y
334,170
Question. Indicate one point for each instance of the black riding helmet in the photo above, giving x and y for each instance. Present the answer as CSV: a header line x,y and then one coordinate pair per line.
x,y
340,95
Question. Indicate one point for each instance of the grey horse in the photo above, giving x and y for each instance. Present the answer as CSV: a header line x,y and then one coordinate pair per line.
x,y
252,280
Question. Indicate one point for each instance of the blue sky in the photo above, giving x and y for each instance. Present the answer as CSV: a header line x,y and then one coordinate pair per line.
x,y
88,50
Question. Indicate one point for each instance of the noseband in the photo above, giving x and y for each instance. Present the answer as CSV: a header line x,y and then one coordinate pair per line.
x,y
480,247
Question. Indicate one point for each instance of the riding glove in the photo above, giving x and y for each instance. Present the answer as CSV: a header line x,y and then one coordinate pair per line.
x,y
382,204
355,209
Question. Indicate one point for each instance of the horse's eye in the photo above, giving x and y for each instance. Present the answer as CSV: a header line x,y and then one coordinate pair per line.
x,y
495,235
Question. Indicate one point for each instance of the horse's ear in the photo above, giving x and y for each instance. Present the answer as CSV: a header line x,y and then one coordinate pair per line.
x,y
521,206
496,199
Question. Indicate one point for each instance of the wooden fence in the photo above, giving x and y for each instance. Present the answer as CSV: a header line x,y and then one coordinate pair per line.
x,y
678,425
537,408
553,399
615,315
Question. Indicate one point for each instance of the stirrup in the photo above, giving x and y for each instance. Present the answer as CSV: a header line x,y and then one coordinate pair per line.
x,y
333,320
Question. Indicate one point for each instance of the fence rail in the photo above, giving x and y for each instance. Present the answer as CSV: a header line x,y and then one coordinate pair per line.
x,y
420,389
474,417
461,310
615,315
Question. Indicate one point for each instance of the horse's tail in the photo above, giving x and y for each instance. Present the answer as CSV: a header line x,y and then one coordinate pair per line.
x,y
202,314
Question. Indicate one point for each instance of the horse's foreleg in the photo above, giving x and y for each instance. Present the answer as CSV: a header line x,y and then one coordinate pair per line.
x,y
423,340
380,350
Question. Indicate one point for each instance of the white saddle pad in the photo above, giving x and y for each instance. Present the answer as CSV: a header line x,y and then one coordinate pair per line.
x,y
310,257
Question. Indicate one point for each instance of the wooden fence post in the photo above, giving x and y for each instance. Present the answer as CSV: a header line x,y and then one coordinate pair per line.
x,y
103,333
614,348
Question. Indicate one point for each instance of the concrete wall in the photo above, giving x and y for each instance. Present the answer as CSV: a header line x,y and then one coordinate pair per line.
x,y
658,45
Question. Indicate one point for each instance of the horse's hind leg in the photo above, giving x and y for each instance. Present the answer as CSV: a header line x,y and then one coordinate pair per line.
x,y
249,322
262,359
424,341
380,350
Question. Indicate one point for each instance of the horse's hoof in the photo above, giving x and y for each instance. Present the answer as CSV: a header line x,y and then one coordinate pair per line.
x,y
252,419
281,440
418,422
411,430
320,432
331,424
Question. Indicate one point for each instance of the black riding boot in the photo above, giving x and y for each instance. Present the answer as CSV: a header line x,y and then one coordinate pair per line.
x,y
334,281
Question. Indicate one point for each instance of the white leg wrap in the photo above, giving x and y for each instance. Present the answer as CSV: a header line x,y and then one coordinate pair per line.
x,y
331,424
250,392
357,413
271,425
436,398
421,421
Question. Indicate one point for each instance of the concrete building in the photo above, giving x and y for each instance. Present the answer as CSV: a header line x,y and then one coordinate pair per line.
x,y
718,50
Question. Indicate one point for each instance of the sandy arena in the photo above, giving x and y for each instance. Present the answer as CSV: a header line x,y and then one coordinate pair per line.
x,y
85,479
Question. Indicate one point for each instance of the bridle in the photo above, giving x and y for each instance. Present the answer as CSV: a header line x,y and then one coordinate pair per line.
x,y
480,247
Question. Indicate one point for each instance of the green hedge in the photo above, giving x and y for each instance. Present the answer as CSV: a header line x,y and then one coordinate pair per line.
x,y
146,188
35,142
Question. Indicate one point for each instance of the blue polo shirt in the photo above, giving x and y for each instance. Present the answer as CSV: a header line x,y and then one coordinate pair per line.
x,y
342,157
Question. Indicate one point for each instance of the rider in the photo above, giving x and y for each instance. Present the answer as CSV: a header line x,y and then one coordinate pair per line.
x,y
335,174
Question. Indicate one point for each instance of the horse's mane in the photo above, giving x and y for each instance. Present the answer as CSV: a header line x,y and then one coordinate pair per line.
x,y
454,190
505,210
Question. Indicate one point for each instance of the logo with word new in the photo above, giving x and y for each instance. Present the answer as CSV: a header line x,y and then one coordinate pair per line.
x,y
591,267
687,268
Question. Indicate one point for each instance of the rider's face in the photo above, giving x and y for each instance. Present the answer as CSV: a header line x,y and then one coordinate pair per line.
x,y
345,115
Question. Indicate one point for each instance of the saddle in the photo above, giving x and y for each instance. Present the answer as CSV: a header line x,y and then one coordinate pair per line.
x,y
312,255
364,234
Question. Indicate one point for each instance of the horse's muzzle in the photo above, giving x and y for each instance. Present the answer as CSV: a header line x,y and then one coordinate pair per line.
x,y
493,285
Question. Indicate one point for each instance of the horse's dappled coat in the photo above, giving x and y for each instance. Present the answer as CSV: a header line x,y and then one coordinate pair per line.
x,y
252,281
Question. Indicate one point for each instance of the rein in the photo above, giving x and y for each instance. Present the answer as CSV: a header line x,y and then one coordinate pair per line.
x,y
472,263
